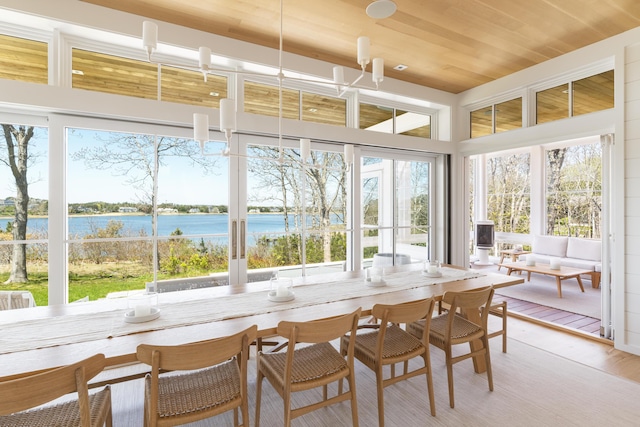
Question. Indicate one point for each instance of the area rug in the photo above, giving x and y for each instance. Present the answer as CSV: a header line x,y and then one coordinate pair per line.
x,y
531,388
543,290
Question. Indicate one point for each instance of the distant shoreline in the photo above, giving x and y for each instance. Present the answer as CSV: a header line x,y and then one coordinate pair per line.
x,y
142,214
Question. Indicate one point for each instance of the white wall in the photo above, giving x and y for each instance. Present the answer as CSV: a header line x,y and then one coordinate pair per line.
x,y
631,300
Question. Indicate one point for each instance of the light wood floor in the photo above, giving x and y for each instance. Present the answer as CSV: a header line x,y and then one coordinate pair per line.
x,y
127,397
581,349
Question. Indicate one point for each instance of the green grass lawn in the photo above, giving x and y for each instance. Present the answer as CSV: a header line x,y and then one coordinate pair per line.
x,y
80,286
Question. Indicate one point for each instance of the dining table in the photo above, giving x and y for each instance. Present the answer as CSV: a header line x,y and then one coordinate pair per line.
x,y
41,338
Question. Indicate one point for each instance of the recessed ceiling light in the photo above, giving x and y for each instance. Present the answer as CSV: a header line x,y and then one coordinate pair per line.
x,y
214,94
400,67
78,72
313,110
380,9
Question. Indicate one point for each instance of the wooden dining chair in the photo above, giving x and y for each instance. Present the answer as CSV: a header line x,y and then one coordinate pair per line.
x,y
19,394
464,323
310,361
212,380
498,309
386,344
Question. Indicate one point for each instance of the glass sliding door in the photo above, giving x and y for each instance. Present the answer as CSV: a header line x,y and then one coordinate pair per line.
x,y
295,210
143,210
396,209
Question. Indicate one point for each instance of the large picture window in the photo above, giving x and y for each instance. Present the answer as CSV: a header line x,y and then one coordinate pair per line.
x,y
574,191
509,193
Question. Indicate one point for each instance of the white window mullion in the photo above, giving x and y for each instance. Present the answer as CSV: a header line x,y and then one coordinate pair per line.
x,y
58,266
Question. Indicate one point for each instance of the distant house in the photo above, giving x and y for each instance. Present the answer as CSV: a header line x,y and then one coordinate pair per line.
x,y
167,210
127,209
254,211
9,201
214,209
194,210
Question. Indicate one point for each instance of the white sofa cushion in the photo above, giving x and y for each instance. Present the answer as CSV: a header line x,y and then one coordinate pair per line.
x,y
550,245
584,249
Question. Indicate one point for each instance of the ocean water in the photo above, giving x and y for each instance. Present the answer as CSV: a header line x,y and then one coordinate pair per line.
x,y
189,224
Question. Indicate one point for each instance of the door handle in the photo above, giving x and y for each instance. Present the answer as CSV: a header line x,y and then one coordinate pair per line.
x,y
243,227
234,239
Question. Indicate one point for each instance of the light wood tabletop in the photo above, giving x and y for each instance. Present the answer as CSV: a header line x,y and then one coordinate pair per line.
x,y
121,349
561,273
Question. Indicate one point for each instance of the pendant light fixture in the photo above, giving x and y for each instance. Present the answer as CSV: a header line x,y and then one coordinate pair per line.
x,y
228,107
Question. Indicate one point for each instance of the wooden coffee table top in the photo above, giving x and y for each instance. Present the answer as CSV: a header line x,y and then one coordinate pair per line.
x,y
545,269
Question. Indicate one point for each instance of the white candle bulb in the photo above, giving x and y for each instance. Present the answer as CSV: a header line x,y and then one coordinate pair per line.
x,y
149,36
348,154
205,58
363,51
200,127
378,70
305,149
338,75
227,114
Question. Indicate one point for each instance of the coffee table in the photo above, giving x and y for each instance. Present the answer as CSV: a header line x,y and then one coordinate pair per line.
x,y
512,253
560,274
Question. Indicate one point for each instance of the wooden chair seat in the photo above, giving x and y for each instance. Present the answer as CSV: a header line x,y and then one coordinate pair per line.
x,y
201,390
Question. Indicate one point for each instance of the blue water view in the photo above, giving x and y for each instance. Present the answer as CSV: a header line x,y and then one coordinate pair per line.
x,y
189,224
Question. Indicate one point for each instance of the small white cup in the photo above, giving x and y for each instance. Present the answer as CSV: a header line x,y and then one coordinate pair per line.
x,y
555,264
142,304
432,267
531,260
281,287
376,274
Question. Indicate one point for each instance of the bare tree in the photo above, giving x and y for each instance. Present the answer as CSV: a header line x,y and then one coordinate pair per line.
x,y
325,187
133,156
555,160
17,158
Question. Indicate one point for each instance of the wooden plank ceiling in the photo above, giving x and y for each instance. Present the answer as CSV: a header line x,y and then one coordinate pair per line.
x,y
452,45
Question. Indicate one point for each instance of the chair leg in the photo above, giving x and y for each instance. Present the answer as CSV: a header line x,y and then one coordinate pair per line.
x,y
286,396
427,364
354,400
504,327
258,396
450,375
488,362
380,389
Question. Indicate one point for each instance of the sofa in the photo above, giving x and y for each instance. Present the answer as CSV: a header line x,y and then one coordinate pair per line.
x,y
571,251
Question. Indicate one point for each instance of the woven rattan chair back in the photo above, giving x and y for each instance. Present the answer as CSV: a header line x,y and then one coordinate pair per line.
x,y
310,361
385,343
213,379
20,393
465,322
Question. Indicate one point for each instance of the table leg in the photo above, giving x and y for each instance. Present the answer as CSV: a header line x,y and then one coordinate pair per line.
x,y
528,276
558,282
580,282
479,361
501,261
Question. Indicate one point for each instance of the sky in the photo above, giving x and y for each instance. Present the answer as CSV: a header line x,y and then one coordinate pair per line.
x,y
180,182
